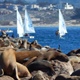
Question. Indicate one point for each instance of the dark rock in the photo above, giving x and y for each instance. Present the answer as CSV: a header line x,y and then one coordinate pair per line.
x,y
40,76
76,73
66,77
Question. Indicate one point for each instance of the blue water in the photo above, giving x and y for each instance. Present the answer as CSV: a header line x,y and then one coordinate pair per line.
x,y
46,36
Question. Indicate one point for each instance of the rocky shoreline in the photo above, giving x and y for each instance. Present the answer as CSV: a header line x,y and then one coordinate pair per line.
x,y
32,61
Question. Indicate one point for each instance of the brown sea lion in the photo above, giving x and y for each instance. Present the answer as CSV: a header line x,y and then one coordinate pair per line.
x,y
23,44
76,73
74,59
61,68
23,71
74,52
34,45
26,63
8,63
4,34
10,67
43,65
54,54
21,55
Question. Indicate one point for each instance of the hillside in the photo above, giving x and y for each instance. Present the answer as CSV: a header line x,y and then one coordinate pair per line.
x,y
47,17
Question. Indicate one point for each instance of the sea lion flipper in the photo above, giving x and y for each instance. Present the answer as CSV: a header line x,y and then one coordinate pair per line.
x,y
2,72
29,61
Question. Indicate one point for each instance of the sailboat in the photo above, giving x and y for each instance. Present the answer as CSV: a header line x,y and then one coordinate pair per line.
x,y
62,25
9,31
25,28
20,30
28,26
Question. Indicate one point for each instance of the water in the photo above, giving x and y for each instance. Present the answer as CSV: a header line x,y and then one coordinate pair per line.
x,y
46,36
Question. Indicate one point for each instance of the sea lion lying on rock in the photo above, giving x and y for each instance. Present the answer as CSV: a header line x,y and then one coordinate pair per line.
x,y
21,55
76,66
35,45
9,65
54,54
23,44
75,62
61,68
74,52
74,59
23,71
76,73
42,65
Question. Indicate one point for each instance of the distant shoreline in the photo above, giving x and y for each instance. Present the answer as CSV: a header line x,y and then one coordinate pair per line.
x,y
56,25
41,25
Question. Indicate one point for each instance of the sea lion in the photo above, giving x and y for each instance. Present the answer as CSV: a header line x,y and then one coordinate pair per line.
x,y
10,67
43,65
74,59
76,73
51,54
23,71
23,44
26,63
34,45
54,54
4,34
21,55
8,63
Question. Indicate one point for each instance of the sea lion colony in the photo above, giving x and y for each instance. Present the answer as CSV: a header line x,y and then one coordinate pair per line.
x,y
20,58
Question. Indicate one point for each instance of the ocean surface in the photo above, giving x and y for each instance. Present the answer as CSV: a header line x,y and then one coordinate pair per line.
x,y
46,37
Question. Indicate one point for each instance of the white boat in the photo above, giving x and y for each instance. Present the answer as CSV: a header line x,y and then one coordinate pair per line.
x,y
62,25
9,31
28,26
25,28
31,36
20,30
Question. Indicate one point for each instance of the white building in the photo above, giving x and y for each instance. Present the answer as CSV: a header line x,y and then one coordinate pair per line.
x,y
67,6
34,6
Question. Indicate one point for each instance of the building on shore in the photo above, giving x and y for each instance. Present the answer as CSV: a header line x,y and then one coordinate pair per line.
x,y
68,6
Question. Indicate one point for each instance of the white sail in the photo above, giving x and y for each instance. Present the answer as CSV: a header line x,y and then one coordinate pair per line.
x,y
62,25
28,27
20,30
